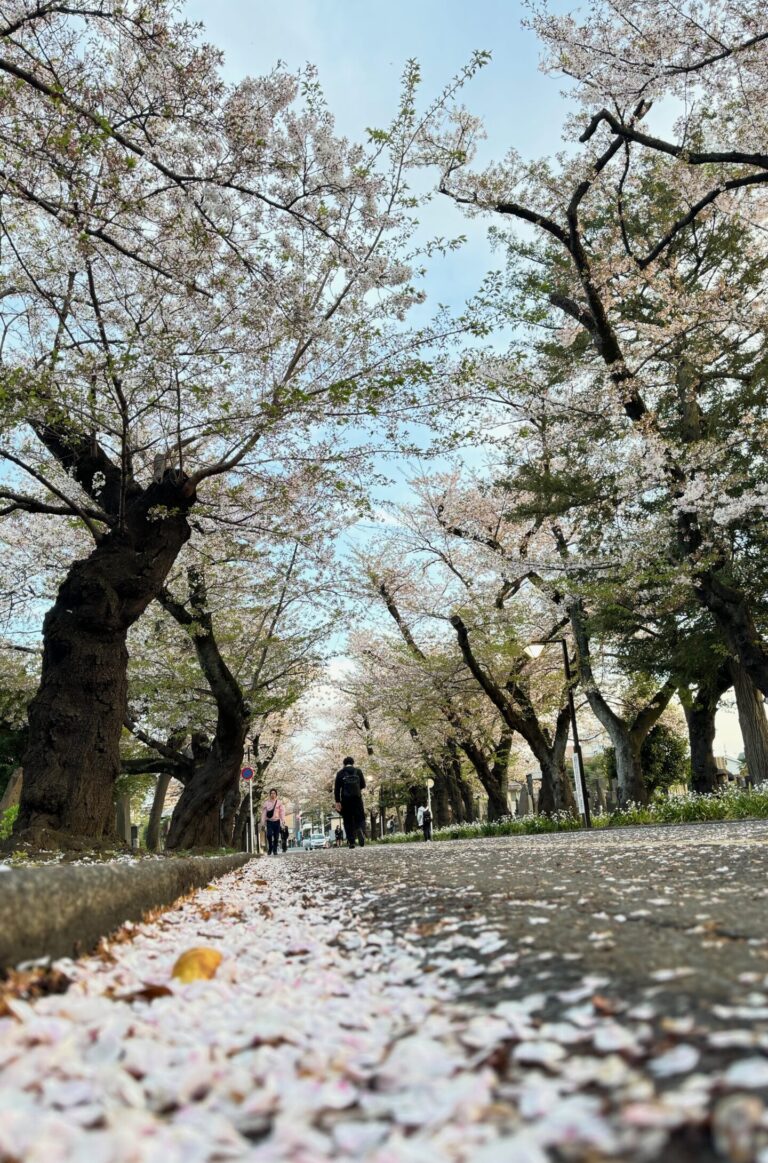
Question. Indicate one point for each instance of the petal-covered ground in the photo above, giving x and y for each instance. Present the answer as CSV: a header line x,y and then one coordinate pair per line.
x,y
327,1032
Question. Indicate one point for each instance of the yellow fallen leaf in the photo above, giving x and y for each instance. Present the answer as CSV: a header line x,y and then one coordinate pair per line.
x,y
197,964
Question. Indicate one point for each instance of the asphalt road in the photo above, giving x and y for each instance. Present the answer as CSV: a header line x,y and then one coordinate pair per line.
x,y
660,933
679,911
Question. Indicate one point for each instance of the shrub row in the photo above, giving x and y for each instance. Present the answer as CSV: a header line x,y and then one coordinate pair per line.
x,y
730,804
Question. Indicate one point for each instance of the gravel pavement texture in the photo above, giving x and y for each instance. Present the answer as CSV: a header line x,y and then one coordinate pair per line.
x,y
521,1000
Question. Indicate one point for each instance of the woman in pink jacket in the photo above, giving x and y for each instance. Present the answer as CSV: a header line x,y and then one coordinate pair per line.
x,y
273,819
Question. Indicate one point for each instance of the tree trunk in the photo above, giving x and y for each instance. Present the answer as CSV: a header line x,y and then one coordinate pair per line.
x,y
497,799
230,805
240,830
700,714
440,801
753,723
728,606
195,822
415,797
700,717
556,794
629,767
459,789
156,812
76,717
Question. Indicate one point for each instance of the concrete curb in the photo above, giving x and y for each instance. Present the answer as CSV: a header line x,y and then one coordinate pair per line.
x,y
64,911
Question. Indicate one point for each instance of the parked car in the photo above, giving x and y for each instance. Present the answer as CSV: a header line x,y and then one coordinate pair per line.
x,y
315,840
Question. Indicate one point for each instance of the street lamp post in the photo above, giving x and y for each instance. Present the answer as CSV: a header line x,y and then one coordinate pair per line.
x,y
533,651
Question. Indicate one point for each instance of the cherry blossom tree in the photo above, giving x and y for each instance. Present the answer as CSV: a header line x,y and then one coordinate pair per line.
x,y
642,255
195,277
255,617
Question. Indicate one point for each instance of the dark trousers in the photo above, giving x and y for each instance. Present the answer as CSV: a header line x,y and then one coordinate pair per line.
x,y
273,836
353,815
426,828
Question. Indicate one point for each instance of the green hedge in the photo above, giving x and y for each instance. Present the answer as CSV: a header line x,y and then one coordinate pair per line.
x,y
731,804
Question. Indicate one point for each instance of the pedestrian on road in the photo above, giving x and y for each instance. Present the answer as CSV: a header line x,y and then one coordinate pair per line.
x,y
284,833
348,794
339,836
273,819
424,818
391,825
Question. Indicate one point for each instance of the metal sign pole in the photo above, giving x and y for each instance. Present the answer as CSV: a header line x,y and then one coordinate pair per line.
x,y
253,840
250,809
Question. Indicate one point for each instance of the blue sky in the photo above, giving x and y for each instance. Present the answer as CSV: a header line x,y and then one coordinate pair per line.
x,y
360,49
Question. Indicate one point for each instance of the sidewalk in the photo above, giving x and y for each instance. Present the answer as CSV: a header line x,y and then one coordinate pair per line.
x,y
318,1039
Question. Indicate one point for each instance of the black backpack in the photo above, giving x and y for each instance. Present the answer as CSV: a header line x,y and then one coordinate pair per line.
x,y
350,783
427,817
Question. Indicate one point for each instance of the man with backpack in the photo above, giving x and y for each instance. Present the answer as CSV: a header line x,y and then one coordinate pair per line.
x,y
348,794
424,818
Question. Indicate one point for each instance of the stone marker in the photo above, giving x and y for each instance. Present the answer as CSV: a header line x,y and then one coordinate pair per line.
x,y
12,793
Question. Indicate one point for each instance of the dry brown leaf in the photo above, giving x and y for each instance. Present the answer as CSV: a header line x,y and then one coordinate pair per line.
x,y
197,964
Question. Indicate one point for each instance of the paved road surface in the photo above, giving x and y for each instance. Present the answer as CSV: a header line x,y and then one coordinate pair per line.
x,y
684,908
663,932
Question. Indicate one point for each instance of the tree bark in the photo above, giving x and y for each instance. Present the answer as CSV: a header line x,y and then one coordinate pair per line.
x,y
460,791
700,717
240,829
76,717
730,610
556,793
626,737
156,811
753,723
700,714
195,822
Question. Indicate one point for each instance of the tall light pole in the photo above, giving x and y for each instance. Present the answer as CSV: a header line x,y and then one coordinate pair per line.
x,y
533,651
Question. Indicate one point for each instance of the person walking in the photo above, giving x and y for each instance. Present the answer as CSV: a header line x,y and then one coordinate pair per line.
x,y
348,794
273,819
284,834
424,819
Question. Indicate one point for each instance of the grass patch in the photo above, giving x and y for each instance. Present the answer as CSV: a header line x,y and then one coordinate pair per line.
x,y
7,820
730,804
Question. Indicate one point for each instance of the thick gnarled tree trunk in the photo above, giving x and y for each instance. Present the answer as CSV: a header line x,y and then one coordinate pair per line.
x,y
753,723
76,717
700,711
195,822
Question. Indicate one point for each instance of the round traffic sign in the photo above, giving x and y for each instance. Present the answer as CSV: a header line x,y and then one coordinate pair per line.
x,y
246,773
